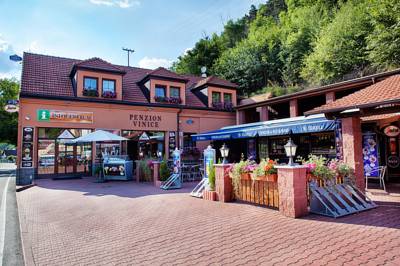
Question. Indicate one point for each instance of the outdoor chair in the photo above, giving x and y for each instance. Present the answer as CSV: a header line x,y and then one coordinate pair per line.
x,y
381,171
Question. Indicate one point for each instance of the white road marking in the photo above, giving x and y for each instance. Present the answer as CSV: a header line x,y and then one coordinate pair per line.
x,y
3,219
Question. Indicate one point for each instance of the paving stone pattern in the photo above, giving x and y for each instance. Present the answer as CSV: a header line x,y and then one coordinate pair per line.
x,y
78,222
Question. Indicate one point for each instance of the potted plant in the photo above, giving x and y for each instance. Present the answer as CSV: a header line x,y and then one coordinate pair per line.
x,y
271,172
319,171
210,193
235,172
247,168
259,171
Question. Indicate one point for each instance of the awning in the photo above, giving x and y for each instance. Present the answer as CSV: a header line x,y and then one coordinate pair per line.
x,y
296,125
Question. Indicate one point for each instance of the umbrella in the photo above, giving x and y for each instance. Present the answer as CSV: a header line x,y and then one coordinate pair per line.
x,y
99,135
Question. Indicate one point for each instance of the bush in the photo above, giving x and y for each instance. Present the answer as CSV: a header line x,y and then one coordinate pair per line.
x,y
211,176
145,170
164,171
11,158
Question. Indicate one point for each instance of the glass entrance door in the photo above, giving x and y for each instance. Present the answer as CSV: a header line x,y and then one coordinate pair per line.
x,y
66,158
83,158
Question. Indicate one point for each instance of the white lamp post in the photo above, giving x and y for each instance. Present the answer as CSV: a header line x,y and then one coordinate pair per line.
x,y
290,149
224,153
159,155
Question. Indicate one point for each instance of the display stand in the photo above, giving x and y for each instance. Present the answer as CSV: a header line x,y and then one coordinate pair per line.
x,y
115,168
209,159
175,180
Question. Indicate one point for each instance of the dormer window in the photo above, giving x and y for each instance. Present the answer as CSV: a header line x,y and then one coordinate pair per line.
x,y
160,91
90,83
90,87
109,88
216,97
227,97
175,92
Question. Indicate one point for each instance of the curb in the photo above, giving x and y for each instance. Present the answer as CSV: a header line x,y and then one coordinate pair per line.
x,y
22,188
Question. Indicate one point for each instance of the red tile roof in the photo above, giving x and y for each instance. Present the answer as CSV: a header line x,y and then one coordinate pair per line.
x,y
381,92
165,73
213,80
96,63
45,75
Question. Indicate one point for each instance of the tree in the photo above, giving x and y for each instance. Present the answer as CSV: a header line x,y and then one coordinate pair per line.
x,y
384,41
341,46
9,89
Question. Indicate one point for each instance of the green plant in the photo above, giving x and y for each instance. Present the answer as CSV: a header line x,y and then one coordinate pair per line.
x,y
164,171
145,170
235,172
211,175
317,166
98,170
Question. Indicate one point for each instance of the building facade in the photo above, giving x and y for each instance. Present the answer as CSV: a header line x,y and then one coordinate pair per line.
x,y
157,110
265,123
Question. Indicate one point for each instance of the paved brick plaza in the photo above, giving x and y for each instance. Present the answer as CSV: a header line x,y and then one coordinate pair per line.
x,y
77,222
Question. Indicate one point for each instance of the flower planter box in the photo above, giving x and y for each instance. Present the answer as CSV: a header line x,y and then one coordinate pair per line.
x,y
272,178
245,176
210,195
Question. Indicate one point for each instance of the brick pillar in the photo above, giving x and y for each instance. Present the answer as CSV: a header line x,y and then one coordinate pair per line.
x,y
294,108
223,183
352,148
330,97
156,172
240,117
292,187
264,116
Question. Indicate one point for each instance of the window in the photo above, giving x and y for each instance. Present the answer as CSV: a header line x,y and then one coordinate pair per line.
x,y
90,83
216,97
108,85
160,91
175,92
227,97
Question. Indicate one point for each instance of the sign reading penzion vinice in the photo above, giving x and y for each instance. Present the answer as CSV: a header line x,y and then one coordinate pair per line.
x,y
145,120
44,115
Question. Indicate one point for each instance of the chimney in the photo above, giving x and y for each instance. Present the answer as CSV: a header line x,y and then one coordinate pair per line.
x,y
203,70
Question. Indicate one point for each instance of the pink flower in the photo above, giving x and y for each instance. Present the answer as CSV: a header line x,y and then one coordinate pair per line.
x,y
311,166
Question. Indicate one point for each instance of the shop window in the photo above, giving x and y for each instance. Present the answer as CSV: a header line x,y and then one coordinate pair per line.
x,y
228,97
90,87
46,156
175,92
108,88
216,97
160,91
143,143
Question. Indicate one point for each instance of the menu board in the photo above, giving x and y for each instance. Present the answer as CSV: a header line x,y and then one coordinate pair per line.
x,y
370,154
27,147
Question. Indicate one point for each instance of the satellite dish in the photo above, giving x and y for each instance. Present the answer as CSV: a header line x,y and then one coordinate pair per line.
x,y
203,69
15,58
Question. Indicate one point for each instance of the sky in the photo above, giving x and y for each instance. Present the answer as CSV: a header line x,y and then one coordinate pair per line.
x,y
158,30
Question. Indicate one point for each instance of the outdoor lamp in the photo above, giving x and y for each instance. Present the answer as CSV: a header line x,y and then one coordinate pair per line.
x,y
159,154
290,149
141,154
224,153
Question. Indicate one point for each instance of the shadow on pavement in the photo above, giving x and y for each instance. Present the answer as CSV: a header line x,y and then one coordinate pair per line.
x,y
129,189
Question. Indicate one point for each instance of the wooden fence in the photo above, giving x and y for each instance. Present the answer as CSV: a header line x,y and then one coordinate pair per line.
x,y
262,193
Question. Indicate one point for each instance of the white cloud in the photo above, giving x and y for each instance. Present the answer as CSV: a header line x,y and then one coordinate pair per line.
x,y
33,47
116,3
186,51
152,63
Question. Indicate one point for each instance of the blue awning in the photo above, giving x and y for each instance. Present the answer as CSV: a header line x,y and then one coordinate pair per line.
x,y
297,125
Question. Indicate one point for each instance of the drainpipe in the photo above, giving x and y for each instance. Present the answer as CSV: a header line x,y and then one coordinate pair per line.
x,y
178,128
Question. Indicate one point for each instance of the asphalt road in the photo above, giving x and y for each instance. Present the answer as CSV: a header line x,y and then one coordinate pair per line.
x,y
10,235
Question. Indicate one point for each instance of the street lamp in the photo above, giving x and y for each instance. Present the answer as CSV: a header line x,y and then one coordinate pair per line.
x,y
224,153
159,155
290,149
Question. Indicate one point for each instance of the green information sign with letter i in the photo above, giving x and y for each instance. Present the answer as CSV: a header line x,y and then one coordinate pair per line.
x,y
43,115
